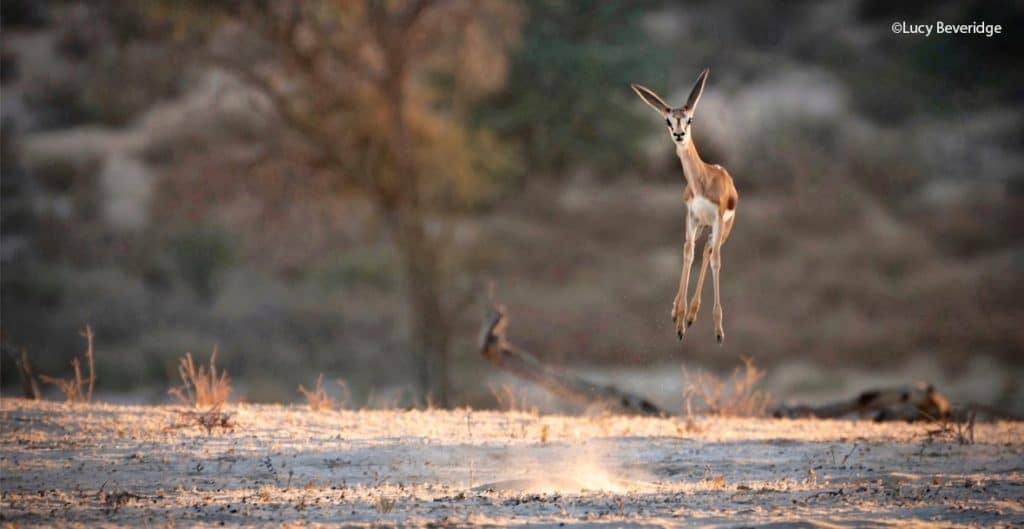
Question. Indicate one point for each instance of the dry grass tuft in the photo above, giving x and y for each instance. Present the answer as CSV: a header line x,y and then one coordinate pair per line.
x,y
511,398
78,389
690,425
30,386
712,480
385,505
318,399
735,396
201,388
345,401
960,431
115,500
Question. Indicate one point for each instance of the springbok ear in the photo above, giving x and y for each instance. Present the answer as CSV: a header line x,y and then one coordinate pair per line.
x,y
698,89
651,98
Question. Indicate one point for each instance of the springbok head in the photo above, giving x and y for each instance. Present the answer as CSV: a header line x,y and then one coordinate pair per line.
x,y
677,120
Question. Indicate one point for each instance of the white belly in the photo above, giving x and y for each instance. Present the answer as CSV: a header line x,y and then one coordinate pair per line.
x,y
703,210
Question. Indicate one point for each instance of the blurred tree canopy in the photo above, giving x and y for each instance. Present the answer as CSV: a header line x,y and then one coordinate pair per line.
x,y
567,102
371,97
419,105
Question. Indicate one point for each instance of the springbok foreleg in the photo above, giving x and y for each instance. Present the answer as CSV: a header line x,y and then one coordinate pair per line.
x,y
684,278
708,247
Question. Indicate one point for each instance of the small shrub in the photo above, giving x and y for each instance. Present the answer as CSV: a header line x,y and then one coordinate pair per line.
x,y
201,388
950,430
115,500
385,505
79,389
712,480
732,397
318,399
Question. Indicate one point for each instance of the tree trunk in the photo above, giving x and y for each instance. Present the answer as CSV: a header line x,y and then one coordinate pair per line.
x,y
401,199
428,321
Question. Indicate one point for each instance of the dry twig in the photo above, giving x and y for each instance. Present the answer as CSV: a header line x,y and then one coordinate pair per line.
x,y
496,349
208,420
79,389
29,384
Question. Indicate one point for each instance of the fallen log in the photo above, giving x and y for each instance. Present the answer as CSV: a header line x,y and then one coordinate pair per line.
x,y
920,402
496,349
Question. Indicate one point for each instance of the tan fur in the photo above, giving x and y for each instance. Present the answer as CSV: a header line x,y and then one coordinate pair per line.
x,y
710,199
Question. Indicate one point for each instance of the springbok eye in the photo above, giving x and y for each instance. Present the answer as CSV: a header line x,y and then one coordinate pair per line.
x,y
668,122
688,121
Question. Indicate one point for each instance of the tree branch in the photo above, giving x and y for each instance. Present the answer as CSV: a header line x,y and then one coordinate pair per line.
x,y
496,349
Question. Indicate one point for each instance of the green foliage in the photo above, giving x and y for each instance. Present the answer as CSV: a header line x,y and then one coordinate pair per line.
x,y
201,254
567,102
376,267
102,50
39,284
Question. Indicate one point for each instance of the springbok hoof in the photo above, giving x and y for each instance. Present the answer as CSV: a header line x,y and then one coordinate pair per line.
x,y
720,337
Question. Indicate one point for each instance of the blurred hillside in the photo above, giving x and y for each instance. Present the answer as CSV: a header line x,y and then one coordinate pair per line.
x,y
152,193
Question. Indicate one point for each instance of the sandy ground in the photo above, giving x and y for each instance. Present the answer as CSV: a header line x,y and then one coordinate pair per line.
x,y
116,466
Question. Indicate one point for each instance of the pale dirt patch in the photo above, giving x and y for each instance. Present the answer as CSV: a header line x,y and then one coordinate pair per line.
x,y
115,466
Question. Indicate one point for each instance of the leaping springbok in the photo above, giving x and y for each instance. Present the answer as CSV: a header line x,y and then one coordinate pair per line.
x,y
710,199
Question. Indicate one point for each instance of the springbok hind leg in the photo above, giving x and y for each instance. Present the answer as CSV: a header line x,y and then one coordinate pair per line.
x,y
691,315
716,265
684,277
